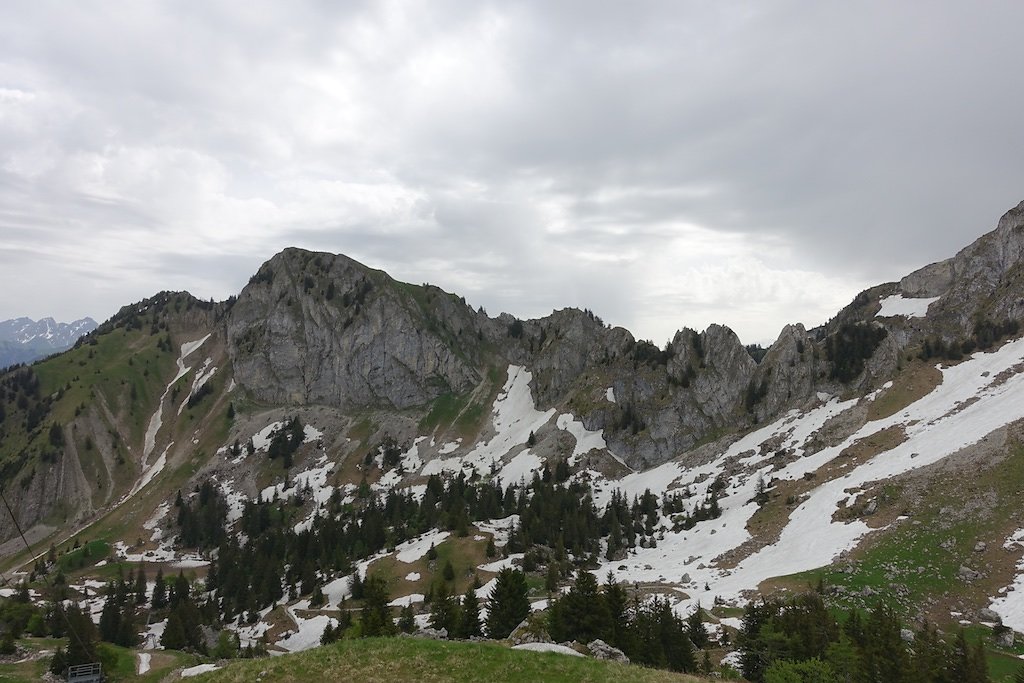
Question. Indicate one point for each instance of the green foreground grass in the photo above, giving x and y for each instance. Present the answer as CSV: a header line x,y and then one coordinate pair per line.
x,y
409,659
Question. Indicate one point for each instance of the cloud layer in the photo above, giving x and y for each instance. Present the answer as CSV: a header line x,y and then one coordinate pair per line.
x,y
664,164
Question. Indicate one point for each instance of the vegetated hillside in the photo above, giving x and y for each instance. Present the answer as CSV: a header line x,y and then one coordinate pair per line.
x,y
331,424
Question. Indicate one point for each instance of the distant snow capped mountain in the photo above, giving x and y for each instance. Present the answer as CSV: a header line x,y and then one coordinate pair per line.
x,y
23,340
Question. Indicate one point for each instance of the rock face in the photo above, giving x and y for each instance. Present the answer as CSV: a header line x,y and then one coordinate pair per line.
x,y
984,276
323,329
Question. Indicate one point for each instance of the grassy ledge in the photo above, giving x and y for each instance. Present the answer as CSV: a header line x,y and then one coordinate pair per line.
x,y
410,659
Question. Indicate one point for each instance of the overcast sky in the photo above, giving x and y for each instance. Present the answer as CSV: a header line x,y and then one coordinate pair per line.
x,y
665,164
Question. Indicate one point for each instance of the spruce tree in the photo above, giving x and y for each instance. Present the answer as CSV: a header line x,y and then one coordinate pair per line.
x,y
110,617
140,586
407,619
695,628
469,621
507,605
583,615
159,590
375,617
444,611
81,637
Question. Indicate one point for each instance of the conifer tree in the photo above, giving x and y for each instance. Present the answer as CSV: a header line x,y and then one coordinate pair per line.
x,y
469,621
375,617
159,590
140,586
695,628
407,619
583,614
507,605
444,613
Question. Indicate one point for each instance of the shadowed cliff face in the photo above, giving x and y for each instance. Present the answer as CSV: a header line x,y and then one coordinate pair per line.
x,y
317,328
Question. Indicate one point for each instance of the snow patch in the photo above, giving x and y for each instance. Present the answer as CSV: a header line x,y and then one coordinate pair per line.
x,y
498,528
520,468
407,600
911,308
514,417
198,669
413,550
586,440
548,647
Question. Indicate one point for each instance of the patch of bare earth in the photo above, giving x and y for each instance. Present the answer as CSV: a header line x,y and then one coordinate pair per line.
x,y
915,382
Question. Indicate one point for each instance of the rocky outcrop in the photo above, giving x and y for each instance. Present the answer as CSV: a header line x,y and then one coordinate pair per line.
x,y
983,278
602,650
318,328
789,371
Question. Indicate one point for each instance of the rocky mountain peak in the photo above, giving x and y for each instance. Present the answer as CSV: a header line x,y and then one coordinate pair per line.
x,y
323,328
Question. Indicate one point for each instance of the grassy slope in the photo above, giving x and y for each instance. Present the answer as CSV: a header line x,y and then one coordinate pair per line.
x,y
408,659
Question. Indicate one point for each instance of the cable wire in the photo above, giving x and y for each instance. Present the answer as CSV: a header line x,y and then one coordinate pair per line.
x,y
46,579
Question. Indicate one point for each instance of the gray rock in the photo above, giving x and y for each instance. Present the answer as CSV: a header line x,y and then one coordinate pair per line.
x,y
602,650
980,546
530,630
987,614
431,634
906,635
1006,638
967,574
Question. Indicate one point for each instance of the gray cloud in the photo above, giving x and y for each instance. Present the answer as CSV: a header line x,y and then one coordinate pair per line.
x,y
662,163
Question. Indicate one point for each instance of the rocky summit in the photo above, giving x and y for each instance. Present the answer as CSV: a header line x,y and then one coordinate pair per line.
x,y
331,436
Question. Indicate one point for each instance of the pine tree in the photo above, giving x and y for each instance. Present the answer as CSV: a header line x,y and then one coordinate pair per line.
x,y
507,605
81,637
551,578
407,619
174,637
140,586
159,590
375,617
110,617
583,615
469,622
444,612
695,628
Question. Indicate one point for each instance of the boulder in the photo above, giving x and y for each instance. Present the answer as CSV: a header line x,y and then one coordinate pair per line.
x,y
602,650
